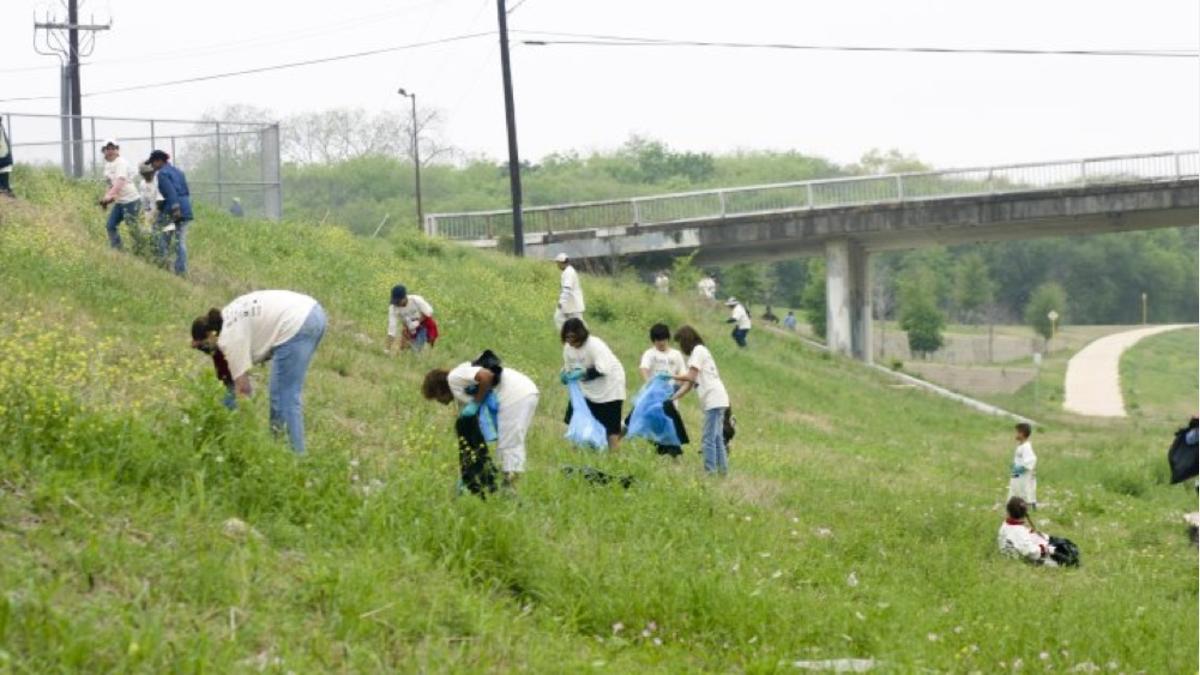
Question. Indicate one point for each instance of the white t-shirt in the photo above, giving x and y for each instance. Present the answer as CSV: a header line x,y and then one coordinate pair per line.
x,y
741,317
708,382
1018,540
708,287
258,322
1025,485
663,283
117,169
670,361
514,385
595,354
570,297
149,193
410,315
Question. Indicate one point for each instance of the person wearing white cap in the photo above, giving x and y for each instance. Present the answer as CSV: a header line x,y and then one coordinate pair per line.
x,y
740,319
122,194
570,295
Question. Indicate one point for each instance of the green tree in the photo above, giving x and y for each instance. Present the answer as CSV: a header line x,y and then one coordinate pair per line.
x,y
1046,298
814,302
920,316
790,278
745,281
684,274
973,287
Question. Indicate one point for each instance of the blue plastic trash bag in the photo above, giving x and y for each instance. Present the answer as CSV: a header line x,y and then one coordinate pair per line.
x,y
648,419
584,430
488,411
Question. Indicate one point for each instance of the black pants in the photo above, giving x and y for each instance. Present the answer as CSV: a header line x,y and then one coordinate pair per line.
x,y
4,181
680,430
475,466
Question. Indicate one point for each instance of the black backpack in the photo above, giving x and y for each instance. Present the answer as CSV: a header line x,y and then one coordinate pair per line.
x,y
1066,553
1184,458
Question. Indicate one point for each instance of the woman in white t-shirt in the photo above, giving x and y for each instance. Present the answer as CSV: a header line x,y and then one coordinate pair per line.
x,y
282,327
587,359
702,375
661,360
516,395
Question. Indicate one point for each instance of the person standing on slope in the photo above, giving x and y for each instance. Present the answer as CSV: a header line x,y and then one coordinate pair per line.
x,y
661,360
282,327
177,205
662,282
122,195
707,287
6,164
587,359
740,319
703,376
1024,468
410,318
570,295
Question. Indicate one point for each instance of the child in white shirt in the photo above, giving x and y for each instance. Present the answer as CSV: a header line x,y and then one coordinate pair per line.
x,y
1018,539
703,376
1024,468
661,360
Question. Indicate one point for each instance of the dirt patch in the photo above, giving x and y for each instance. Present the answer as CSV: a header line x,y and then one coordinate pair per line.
x,y
974,380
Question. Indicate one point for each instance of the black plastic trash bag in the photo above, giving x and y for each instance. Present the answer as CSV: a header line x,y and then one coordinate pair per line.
x,y
1183,456
1066,553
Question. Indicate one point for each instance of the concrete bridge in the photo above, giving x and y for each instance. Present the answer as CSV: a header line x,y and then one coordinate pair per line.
x,y
847,219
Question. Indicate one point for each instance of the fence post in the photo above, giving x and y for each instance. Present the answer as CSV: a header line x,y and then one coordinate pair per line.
x,y
269,167
1083,170
721,197
93,144
220,195
991,183
153,142
637,212
1178,166
809,194
899,187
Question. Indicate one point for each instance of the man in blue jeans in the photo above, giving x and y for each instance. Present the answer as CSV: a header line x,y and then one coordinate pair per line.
x,y
122,195
282,327
177,208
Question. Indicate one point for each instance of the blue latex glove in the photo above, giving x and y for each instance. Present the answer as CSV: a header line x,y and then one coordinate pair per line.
x,y
572,375
663,376
1018,470
470,410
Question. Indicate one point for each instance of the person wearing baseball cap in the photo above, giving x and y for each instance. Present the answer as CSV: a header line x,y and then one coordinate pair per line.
x,y
177,207
740,319
570,295
122,195
6,163
410,318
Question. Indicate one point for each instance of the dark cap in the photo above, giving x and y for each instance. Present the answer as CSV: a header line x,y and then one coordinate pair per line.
x,y
399,292
159,155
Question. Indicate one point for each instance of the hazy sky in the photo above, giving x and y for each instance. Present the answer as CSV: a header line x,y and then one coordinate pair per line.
x,y
950,110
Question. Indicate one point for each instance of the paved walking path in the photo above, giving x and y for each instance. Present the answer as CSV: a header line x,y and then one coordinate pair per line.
x,y
1093,385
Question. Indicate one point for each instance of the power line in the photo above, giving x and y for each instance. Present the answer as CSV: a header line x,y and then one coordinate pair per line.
x,y
264,69
585,39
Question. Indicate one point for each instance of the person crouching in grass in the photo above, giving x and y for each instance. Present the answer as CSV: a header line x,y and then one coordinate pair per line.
x,y
703,376
587,359
469,383
661,360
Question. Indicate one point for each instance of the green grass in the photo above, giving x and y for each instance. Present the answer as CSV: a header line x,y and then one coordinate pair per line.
x,y
120,468
1158,377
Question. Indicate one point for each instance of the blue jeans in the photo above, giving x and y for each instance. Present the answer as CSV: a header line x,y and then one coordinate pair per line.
x,y
127,212
289,366
417,343
739,336
713,443
180,237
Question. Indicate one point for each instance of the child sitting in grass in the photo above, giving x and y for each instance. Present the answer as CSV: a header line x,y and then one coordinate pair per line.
x,y
1024,468
1019,539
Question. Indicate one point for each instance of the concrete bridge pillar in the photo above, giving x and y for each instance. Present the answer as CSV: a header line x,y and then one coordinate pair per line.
x,y
848,299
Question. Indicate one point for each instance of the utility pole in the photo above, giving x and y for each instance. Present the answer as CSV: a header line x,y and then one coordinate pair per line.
x,y
1144,298
510,119
416,150
69,51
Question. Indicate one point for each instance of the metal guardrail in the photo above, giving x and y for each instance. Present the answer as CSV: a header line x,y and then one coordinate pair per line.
x,y
707,205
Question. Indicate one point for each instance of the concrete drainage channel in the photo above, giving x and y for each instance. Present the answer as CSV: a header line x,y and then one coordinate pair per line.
x,y
980,406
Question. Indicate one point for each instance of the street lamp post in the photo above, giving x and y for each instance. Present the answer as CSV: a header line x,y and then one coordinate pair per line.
x,y
416,150
1144,298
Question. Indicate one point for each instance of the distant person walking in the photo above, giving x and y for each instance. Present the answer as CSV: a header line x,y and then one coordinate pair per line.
x,y
122,195
587,359
410,319
282,327
6,164
570,295
177,207
740,319
1024,468
789,321
235,209
707,287
662,283
702,375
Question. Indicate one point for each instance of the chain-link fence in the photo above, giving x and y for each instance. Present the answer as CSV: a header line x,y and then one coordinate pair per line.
x,y
224,161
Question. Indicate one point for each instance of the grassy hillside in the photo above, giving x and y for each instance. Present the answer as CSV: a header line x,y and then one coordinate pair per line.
x,y
858,521
1158,377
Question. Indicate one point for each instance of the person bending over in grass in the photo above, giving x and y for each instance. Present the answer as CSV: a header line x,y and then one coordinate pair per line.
x,y
282,327
1024,468
469,383
660,360
1019,539
410,318
703,376
588,360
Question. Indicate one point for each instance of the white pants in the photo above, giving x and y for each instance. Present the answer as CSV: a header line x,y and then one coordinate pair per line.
x,y
560,318
513,422
1025,487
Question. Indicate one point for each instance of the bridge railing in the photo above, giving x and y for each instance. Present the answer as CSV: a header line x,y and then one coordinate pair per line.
x,y
708,205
